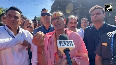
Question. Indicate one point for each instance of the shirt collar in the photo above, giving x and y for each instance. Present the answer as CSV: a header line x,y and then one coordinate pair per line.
x,y
9,31
102,27
45,28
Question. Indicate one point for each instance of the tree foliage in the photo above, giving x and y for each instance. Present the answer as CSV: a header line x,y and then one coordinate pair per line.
x,y
2,10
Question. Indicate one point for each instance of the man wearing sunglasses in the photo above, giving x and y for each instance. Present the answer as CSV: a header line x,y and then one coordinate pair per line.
x,y
47,48
46,21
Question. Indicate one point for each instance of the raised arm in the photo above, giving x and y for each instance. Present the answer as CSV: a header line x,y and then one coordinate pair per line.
x,y
6,43
38,40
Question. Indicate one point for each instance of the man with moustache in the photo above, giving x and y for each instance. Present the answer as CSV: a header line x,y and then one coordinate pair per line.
x,y
71,23
48,47
93,33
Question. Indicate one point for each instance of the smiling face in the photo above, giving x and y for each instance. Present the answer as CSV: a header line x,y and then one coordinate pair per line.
x,y
13,19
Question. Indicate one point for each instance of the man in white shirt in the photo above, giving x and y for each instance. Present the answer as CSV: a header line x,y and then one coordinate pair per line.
x,y
71,23
84,24
14,41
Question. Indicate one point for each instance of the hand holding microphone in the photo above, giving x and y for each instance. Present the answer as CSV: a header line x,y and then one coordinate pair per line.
x,y
65,45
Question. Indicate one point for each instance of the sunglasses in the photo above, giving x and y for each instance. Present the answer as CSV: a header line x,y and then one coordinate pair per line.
x,y
43,14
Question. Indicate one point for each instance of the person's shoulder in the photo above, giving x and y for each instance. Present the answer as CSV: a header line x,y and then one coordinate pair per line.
x,y
110,34
39,28
72,34
110,26
1,28
89,27
107,36
25,31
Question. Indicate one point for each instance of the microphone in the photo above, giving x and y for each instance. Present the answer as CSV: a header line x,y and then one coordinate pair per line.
x,y
65,45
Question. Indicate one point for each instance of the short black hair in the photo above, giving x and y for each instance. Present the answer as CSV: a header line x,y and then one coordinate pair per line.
x,y
13,8
44,9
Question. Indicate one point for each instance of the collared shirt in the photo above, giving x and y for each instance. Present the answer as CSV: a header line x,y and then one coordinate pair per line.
x,y
13,53
50,48
43,29
80,32
92,37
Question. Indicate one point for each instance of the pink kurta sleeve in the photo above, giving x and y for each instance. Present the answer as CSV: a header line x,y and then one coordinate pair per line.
x,y
47,48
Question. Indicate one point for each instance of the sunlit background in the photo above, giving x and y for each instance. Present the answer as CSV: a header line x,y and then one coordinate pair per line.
x,y
80,8
30,8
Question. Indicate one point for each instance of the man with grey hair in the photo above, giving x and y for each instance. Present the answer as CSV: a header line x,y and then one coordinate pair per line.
x,y
71,23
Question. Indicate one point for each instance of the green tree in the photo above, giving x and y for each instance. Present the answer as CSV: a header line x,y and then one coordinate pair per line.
x,y
38,18
2,10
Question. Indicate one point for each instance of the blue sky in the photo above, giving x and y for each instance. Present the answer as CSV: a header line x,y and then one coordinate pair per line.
x,y
30,8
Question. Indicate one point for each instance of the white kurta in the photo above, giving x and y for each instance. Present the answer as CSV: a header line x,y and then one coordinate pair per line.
x,y
12,52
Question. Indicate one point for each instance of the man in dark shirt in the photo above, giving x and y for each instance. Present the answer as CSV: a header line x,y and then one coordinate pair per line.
x,y
46,21
93,33
106,50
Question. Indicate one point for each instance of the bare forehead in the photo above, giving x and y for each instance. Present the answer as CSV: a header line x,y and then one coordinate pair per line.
x,y
13,12
72,20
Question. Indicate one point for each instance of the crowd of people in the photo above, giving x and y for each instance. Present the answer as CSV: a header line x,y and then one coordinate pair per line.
x,y
31,42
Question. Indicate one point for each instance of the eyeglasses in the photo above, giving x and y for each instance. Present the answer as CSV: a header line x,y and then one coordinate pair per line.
x,y
43,14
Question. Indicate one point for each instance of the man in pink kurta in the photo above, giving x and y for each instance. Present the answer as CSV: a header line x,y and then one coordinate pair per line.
x,y
47,48
77,53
